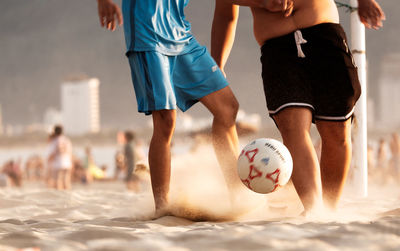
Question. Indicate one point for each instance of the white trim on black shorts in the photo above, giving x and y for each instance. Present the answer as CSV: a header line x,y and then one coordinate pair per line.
x,y
339,118
289,104
293,104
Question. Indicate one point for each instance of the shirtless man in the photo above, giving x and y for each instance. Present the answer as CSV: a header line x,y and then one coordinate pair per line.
x,y
309,76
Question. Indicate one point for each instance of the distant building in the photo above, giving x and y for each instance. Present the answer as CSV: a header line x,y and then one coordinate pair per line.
x,y
389,84
80,106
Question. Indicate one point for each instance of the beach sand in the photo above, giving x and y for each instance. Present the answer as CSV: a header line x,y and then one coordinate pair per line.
x,y
107,216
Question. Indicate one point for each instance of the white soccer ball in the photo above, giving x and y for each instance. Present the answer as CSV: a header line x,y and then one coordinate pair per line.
x,y
264,165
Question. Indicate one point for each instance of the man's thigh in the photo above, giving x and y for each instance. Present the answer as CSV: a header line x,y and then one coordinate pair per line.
x,y
151,77
334,130
195,76
220,101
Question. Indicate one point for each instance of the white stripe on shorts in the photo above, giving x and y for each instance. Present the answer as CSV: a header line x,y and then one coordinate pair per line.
x,y
290,104
336,118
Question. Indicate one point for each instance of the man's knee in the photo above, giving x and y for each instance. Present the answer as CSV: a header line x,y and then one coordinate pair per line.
x,y
231,108
292,130
294,122
164,121
223,105
227,112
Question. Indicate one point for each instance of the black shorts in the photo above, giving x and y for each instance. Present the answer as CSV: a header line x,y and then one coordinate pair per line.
x,y
325,80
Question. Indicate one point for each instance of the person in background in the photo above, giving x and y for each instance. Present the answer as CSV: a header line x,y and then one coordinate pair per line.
x,y
382,161
50,176
94,172
371,162
119,157
88,163
119,160
34,168
60,157
395,158
12,169
131,179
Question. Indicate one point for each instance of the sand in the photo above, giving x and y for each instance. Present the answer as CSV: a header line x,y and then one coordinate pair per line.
x,y
107,216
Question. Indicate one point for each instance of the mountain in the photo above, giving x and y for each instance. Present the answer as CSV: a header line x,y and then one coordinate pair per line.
x,y
43,42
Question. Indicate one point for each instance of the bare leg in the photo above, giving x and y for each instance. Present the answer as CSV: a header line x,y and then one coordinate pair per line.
x,y
335,158
294,125
67,178
224,106
50,182
62,179
160,155
59,179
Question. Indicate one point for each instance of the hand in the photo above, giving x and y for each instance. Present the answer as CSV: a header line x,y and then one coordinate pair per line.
x,y
285,6
371,14
109,14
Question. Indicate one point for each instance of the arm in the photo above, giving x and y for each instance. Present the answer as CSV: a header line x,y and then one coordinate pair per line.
x,y
371,14
223,31
109,14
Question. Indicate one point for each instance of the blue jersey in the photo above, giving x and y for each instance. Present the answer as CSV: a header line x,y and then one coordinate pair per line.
x,y
157,25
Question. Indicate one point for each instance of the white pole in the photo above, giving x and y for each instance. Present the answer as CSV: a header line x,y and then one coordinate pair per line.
x,y
360,137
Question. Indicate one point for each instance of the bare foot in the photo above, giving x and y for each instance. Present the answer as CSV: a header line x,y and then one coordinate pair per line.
x,y
161,212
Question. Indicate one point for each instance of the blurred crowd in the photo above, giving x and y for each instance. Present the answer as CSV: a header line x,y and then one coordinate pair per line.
x,y
384,160
60,168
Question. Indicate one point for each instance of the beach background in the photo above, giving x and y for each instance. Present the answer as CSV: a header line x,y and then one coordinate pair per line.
x,y
45,42
104,215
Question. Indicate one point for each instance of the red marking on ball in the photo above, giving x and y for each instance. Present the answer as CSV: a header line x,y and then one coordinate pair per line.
x,y
269,176
251,158
246,182
254,172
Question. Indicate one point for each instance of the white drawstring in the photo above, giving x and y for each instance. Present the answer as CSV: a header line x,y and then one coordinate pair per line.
x,y
299,41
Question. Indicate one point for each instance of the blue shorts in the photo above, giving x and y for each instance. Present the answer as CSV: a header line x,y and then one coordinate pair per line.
x,y
167,82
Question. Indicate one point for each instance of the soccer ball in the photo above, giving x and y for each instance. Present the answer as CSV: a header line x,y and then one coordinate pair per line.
x,y
264,165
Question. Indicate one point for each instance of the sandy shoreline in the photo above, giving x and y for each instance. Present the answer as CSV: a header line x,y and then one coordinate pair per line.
x,y
106,216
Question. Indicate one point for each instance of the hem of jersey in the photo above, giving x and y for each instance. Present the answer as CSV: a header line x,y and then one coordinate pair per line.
x,y
272,112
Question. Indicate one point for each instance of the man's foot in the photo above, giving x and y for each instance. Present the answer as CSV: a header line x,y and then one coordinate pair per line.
x,y
161,212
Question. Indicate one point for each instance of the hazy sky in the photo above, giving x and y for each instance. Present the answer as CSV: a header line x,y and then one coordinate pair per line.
x,y
43,42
